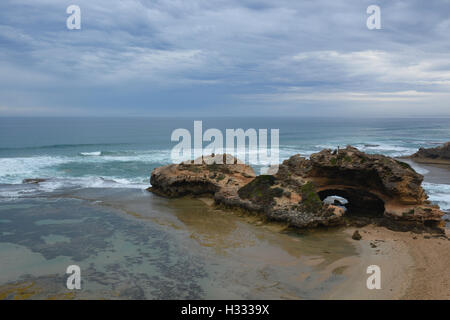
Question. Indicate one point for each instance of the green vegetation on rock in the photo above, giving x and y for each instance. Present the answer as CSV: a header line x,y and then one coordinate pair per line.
x,y
404,165
310,199
260,190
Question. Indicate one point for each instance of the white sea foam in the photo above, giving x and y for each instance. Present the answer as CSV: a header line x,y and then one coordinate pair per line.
x,y
14,170
374,147
386,149
95,153
55,184
15,191
327,146
154,156
439,194
11,192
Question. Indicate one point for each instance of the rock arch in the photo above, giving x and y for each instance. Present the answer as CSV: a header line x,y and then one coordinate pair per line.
x,y
360,202
375,186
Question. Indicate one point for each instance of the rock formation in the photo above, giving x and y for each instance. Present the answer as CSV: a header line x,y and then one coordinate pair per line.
x,y
376,187
33,181
438,155
206,177
356,235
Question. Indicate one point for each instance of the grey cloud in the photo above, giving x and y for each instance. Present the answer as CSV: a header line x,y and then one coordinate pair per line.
x,y
195,55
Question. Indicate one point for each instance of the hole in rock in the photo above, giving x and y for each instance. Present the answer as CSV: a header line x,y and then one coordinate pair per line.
x,y
336,200
357,202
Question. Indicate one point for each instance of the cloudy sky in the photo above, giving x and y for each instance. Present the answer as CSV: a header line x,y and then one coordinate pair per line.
x,y
225,57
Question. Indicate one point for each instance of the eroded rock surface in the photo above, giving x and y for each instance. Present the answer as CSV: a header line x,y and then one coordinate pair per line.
x,y
376,187
206,177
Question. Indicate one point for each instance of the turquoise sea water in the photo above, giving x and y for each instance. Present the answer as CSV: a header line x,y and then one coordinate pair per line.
x,y
93,211
122,152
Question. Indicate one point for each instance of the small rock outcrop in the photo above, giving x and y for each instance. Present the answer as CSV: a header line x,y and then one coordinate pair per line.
x,y
205,177
438,155
375,186
356,235
33,181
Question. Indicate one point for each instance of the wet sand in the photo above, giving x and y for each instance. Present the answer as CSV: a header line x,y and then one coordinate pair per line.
x,y
413,266
430,277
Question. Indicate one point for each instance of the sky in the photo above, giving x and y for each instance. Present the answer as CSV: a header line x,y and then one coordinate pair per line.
x,y
225,58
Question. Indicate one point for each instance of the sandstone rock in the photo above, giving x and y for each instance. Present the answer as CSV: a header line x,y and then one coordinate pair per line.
x,y
204,178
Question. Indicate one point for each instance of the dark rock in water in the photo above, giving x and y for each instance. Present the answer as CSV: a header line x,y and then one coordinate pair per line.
x,y
376,187
33,181
368,145
356,235
439,154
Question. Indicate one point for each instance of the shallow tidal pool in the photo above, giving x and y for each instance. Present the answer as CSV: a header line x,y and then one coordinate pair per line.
x,y
130,244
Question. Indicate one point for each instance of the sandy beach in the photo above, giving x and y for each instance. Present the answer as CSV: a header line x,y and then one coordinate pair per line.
x,y
413,266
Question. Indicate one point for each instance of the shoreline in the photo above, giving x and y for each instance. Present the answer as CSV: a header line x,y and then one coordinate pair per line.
x,y
430,161
413,266
409,262
375,248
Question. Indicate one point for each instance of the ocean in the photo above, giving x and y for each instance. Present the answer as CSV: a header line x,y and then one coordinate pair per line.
x,y
122,152
93,210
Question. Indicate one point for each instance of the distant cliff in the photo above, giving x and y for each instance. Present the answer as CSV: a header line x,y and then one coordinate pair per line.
x,y
438,155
